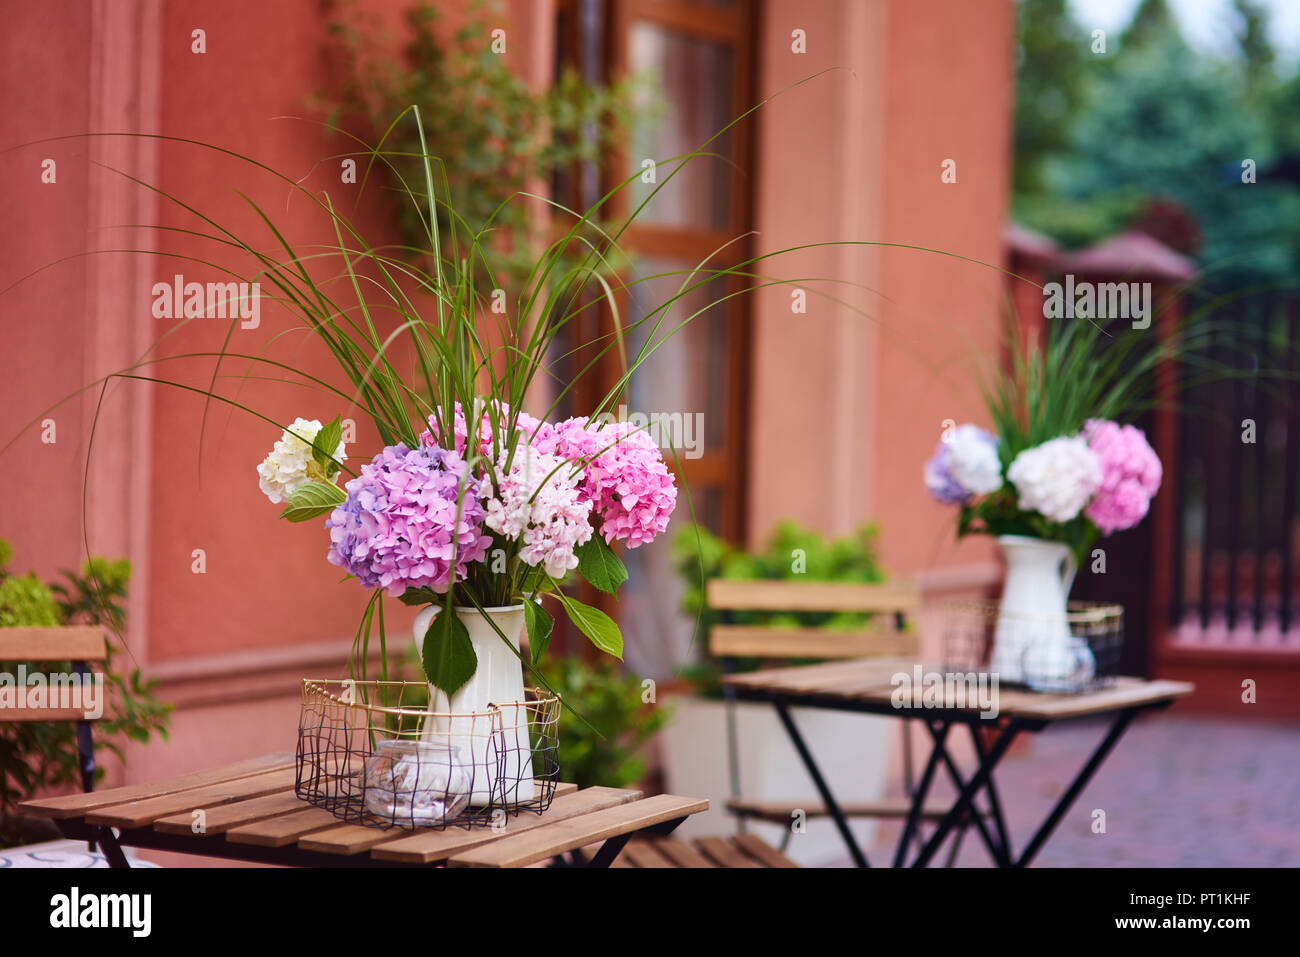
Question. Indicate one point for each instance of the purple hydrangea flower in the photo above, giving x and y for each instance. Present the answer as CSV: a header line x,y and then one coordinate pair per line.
x,y
965,464
398,528
939,479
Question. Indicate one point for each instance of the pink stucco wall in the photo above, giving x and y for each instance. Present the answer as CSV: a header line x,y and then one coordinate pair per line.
x,y
42,319
845,408
848,405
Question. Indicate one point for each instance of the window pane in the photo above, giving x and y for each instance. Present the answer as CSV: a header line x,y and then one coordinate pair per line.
x,y
656,634
687,372
694,80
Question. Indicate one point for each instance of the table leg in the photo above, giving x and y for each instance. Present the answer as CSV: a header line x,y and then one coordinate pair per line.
x,y
997,848
1117,730
956,845
107,841
612,847
859,858
921,793
966,798
995,803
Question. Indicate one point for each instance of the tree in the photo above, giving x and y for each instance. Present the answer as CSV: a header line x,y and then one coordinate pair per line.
x,y
1160,122
1152,23
1257,51
1050,86
1168,124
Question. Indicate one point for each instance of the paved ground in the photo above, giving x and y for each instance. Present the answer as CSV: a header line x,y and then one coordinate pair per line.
x,y
1177,792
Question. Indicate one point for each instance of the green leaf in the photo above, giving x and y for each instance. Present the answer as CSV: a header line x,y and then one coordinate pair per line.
x,y
596,625
327,441
599,565
419,596
313,500
447,654
540,624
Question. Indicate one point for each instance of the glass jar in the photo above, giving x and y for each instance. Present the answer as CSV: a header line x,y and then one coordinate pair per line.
x,y
412,783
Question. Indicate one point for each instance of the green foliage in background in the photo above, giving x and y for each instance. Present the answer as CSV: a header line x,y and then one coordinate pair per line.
x,y
40,755
792,553
25,601
605,749
1099,136
496,136
1050,87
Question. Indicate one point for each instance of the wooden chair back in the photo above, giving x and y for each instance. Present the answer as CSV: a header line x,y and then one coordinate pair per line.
x,y
896,602
79,644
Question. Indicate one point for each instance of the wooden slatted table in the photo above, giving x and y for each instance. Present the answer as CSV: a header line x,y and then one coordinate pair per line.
x,y
250,813
871,685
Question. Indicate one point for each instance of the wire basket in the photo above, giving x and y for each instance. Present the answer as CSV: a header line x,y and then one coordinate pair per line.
x,y
1081,653
370,752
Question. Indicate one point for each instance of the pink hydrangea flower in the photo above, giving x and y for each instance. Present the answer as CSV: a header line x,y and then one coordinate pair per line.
x,y
432,437
526,426
1130,475
626,480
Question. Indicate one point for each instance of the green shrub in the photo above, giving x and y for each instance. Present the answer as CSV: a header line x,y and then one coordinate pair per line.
x,y
609,755
24,601
792,553
494,136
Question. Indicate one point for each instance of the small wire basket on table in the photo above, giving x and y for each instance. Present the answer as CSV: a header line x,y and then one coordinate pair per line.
x,y
369,752
1079,654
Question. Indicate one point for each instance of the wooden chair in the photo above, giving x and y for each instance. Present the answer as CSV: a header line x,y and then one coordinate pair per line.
x,y
79,644
886,634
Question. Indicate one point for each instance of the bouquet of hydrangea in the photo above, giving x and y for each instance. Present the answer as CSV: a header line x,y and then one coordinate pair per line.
x,y
1059,466
1069,488
501,520
471,504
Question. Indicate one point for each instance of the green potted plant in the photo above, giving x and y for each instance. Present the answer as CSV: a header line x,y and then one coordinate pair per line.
x,y
605,747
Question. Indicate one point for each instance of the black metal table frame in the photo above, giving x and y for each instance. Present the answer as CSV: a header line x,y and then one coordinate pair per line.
x,y
964,810
112,841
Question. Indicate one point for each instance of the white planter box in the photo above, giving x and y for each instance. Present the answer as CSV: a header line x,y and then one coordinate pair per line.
x,y
852,751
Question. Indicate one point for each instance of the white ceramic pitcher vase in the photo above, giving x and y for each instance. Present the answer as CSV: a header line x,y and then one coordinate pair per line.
x,y
1032,641
498,680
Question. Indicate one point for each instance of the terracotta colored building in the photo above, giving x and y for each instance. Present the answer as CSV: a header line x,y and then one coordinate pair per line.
x,y
901,136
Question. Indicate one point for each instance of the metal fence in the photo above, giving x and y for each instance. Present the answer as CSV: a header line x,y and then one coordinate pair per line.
x,y
1236,562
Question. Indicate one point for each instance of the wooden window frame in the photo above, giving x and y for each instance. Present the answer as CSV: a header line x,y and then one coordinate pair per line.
x,y
601,47
723,470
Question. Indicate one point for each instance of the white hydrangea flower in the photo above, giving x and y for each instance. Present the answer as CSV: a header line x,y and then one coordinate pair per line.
x,y
538,503
974,460
286,467
1056,478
